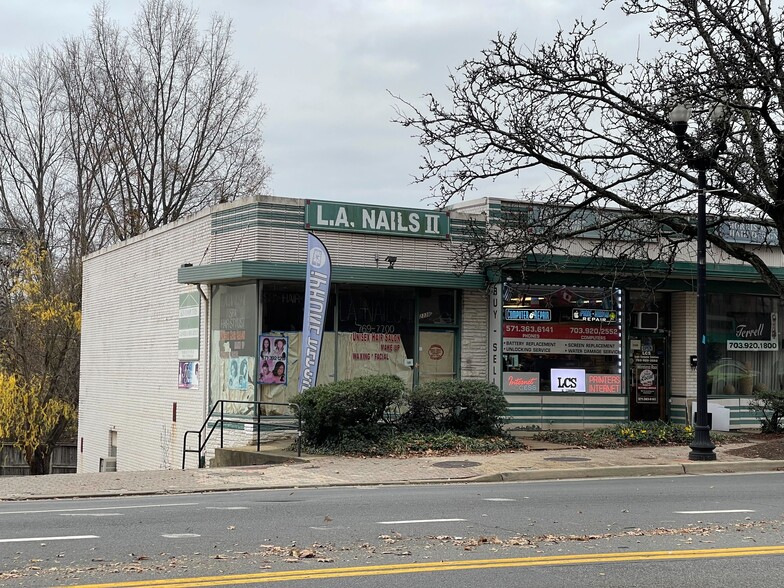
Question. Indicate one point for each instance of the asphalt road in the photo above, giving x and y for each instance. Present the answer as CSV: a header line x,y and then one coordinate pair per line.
x,y
589,532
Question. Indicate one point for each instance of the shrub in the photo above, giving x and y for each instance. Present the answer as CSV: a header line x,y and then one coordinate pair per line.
x,y
341,411
405,444
771,405
469,407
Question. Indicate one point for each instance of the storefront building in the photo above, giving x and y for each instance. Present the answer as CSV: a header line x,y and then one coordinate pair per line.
x,y
572,347
211,308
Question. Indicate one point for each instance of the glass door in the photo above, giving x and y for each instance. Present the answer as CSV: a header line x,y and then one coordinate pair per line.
x,y
648,377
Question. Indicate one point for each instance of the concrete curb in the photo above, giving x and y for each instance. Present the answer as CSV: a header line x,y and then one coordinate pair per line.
x,y
728,467
690,468
581,473
686,468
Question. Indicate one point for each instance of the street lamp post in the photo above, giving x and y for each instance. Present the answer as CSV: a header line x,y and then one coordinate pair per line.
x,y
700,160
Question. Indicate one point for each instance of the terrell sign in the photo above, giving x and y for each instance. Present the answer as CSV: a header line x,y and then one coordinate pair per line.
x,y
378,220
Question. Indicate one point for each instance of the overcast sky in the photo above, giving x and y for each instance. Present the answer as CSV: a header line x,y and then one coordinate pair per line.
x,y
326,67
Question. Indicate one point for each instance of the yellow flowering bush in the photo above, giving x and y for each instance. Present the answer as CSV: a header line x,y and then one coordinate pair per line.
x,y
29,418
39,355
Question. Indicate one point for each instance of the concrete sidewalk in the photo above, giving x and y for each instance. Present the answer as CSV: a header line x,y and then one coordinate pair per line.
x,y
541,461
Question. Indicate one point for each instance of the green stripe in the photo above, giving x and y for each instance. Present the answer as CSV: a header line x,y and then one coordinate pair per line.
x,y
235,271
273,215
578,270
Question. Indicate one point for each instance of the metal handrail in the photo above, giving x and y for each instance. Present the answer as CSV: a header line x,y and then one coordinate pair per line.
x,y
232,419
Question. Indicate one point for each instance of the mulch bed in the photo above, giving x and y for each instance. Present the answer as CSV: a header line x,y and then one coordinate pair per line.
x,y
765,447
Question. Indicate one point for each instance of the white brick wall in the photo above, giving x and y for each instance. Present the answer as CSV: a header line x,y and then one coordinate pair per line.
x,y
683,344
129,363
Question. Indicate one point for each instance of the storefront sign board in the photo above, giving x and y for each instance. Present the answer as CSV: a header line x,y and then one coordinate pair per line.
x,y
521,382
383,220
604,384
567,380
594,315
755,333
561,338
189,321
528,314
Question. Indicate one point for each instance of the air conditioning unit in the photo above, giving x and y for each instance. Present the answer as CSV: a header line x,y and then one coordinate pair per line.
x,y
107,464
647,321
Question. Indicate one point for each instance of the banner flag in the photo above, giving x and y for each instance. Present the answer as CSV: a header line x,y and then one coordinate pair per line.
x,y
318,275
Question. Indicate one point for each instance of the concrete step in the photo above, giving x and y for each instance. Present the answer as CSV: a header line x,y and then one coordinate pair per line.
x,y
273,452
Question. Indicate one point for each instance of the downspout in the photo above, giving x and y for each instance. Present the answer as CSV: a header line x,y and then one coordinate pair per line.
x,y
207,371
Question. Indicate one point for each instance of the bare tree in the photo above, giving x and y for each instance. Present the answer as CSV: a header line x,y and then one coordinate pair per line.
x,y
81,99
32,148
179,128
600,129
102,138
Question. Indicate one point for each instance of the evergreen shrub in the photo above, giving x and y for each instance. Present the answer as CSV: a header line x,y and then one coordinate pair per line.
x,y
349,409
468,407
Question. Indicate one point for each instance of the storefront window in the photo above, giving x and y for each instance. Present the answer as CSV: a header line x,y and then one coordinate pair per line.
x,y
375,331
561,339
743,344
280,343
374,335
233,346
437,307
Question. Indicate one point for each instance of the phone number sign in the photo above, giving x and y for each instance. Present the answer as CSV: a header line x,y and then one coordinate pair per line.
x,y
753,345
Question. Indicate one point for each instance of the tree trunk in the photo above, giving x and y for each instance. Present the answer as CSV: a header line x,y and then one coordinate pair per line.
x,y
39,463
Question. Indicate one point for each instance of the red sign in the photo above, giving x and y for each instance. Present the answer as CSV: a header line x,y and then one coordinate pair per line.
x,y
578,332
435,352
521,382
604,383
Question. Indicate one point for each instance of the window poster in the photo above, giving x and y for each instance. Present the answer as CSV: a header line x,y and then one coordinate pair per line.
x,y
273,359
646,375
189,375
238,373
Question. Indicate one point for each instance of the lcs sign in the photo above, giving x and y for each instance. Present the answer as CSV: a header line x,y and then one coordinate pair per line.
x,y
567,380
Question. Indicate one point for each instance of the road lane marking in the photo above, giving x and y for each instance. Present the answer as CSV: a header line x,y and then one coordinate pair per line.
x,y
63,538
500,499
12,512
91,514
419,521
226,508
180,535
444,566
712,511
